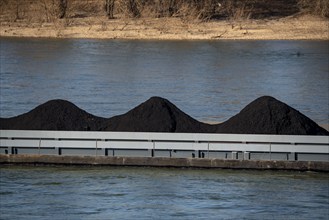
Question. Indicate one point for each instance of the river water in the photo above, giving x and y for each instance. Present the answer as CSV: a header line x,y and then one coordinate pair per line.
x,y
160,193
209,80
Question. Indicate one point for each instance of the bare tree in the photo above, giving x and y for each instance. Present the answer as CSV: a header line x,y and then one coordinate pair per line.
x,y
17,10
165,8
109,6
62,8
133,9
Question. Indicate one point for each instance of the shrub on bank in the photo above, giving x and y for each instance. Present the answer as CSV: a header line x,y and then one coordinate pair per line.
x,y
50,10
315,7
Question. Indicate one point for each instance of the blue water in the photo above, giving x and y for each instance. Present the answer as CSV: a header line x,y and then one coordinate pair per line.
x,y
209,80
159,193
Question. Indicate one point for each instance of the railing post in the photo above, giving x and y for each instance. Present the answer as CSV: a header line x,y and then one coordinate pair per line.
x,y
208,149
58,151
153,150
39,146
294,156
246,155
96,148
10,149
234,155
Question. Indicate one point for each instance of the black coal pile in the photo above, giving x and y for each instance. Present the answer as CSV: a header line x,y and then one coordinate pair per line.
x,y
156,115
53,115
266,115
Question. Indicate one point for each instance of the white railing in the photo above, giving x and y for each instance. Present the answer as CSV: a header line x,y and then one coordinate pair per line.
x,y
165,141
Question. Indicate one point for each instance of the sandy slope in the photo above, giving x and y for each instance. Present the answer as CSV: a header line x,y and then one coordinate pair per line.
x,y
291,28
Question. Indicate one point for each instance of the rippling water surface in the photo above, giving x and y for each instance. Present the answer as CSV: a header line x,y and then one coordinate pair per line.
x,y
209,80
154,193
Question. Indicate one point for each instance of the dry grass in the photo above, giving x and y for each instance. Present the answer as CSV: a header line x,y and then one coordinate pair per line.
x,y
166,19
188,10
47,10
315,7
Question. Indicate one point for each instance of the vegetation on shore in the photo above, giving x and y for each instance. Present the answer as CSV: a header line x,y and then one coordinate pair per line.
x,y
166,19
43,11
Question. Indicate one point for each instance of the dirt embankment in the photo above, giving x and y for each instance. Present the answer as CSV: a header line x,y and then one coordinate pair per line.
x,y
175,19
265,115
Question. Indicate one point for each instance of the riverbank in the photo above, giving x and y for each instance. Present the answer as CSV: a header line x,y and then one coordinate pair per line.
x,y
165,162
305,27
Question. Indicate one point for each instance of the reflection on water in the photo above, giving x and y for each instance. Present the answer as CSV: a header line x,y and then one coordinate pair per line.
x,y
154,193
210,80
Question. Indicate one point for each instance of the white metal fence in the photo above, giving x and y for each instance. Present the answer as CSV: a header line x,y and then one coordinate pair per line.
x,y
225,146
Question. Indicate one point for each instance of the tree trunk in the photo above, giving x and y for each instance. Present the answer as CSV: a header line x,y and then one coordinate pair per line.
x,y
17,10
132,8
62,8
109,6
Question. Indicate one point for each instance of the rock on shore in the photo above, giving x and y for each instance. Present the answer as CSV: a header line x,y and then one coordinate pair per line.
x,y
265,115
